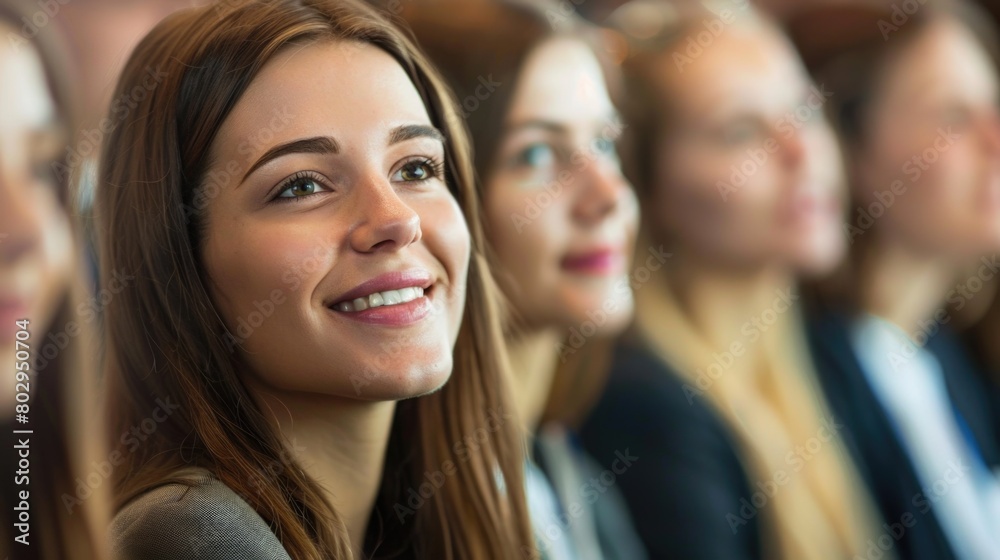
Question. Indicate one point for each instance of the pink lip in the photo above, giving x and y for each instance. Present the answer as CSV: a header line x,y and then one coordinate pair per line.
x,y
810,207
399,315
599,262
412,278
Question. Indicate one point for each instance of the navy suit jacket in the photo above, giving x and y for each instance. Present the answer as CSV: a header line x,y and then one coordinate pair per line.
x,y
905,506
686,488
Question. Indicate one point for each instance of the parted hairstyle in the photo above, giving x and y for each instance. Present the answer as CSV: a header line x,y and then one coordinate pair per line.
x,y
481,50
166,338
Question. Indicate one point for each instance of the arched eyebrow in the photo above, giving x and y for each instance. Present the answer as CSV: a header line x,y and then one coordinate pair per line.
x,y
315,145
411,131
328,145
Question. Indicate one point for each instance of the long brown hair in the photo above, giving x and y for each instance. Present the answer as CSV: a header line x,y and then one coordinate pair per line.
x,y
67,520
848,48
166,338
783,406
481,48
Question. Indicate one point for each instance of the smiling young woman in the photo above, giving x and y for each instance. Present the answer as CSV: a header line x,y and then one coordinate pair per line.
x,y
295,198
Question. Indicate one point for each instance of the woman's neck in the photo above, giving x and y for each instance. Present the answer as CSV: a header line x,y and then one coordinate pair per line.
x,y
341,444
720,302
533,354
902,287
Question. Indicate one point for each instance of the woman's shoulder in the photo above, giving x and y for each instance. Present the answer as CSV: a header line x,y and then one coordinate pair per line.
x,y
197,516
648,400
640,378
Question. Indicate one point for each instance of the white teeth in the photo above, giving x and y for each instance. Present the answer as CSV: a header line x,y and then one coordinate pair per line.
x,y
391,297
379,299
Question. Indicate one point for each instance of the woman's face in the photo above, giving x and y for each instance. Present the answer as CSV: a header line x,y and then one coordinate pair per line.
x,y
560,216
35,238
334,249
749,173
934,138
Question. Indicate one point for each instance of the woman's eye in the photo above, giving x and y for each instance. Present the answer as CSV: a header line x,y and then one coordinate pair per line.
x,y
738,133
956,116
536,156
606,147
300,187
416,171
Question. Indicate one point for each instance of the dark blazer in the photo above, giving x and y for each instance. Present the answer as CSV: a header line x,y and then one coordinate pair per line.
x,y
207,521
890,473
686,484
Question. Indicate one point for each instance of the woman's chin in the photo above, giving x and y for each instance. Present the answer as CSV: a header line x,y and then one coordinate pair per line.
x,y
603,317
404,382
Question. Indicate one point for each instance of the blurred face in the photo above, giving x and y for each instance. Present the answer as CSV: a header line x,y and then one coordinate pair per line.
x,y
35,239
750,173
934,138
335,251
561,216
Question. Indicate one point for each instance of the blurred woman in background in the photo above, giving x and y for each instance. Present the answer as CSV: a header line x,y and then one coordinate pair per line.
x,y
740,180
561,221
295,197
52,506
916,105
